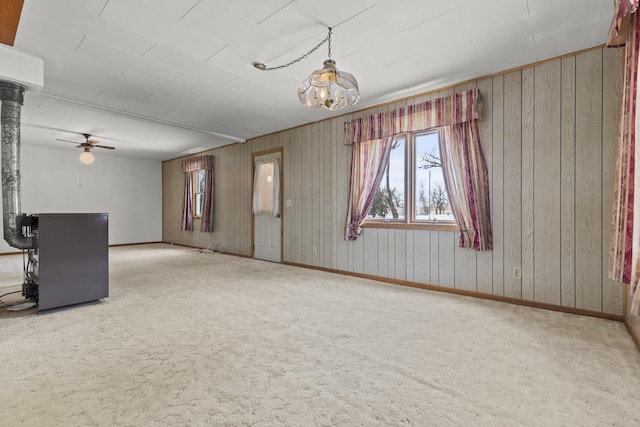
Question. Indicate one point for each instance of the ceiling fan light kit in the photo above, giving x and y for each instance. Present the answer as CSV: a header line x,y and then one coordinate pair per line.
x,y
328,88
86,157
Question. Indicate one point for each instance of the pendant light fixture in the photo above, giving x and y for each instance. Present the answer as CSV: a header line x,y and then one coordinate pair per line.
x,y
327,88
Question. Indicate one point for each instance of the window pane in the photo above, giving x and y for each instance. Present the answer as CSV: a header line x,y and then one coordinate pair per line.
x,y
200,181
198,192
389,201
199,199
266,187
431,201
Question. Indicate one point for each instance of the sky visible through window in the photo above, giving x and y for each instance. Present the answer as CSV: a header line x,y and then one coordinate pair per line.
x,y
427,179
430,179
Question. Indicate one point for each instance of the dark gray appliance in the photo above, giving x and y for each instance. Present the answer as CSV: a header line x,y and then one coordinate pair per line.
x,y
69,263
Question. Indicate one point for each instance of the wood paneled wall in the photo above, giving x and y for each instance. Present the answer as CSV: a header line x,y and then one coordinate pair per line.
x,y
232,204
549,135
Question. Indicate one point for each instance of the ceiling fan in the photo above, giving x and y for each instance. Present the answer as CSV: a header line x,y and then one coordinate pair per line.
x,y
86,157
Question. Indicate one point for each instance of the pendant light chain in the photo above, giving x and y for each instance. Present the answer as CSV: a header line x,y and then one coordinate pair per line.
x,y
327,88
263,67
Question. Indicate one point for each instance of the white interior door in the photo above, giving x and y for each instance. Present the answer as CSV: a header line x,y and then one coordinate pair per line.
x,y
266,208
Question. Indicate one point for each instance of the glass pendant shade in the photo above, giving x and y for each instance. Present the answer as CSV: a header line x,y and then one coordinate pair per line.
x,y
329,88
86,157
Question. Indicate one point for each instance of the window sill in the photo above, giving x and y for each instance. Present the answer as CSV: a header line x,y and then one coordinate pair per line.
x,y
440,226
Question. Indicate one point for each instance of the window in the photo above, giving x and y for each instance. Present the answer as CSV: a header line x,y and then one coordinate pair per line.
x,y
265,186
414,168
198,191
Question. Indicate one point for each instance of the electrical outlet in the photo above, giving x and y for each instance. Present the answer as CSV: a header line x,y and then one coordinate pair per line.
x,y
517,273
315,249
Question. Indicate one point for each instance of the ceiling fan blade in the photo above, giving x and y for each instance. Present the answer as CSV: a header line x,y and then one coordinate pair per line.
x,y
103,146
66,140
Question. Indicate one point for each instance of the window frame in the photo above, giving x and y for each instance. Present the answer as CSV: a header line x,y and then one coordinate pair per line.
x,y
410,172
195,192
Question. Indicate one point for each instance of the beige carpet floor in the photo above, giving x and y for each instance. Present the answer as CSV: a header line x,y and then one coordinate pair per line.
x,y
189,339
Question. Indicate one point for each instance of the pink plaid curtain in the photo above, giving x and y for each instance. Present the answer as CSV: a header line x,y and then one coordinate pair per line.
x,y
458,108
368,162
187,203
467,181
188,166
466,176
624,254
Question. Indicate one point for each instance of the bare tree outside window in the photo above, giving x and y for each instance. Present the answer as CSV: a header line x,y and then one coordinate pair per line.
x,y
412,189
392,195
389,200
430,160
439,199
424,204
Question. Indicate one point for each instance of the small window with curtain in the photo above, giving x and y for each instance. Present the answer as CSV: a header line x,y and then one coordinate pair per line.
x,y
389,202
412,189
265,183
198,192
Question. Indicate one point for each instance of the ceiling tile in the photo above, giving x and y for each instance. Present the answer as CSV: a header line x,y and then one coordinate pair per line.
x,y
187,65
568,39
154,105
458,44
260,11
118,98
80,70
173,8
226,23
93,7
550,16
43,33
476,18
237,60
210,88
66,16
412,12
493,46
333,13
105,52
142,82
156,25
72,90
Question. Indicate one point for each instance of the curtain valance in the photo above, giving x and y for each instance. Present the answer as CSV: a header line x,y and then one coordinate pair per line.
x,y
197,163
449,110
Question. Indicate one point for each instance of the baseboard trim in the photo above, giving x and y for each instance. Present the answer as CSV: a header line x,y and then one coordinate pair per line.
x,y
480,295
134,244
10,253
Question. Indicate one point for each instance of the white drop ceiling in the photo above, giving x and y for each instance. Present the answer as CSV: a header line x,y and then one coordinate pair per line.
x,y
159,79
